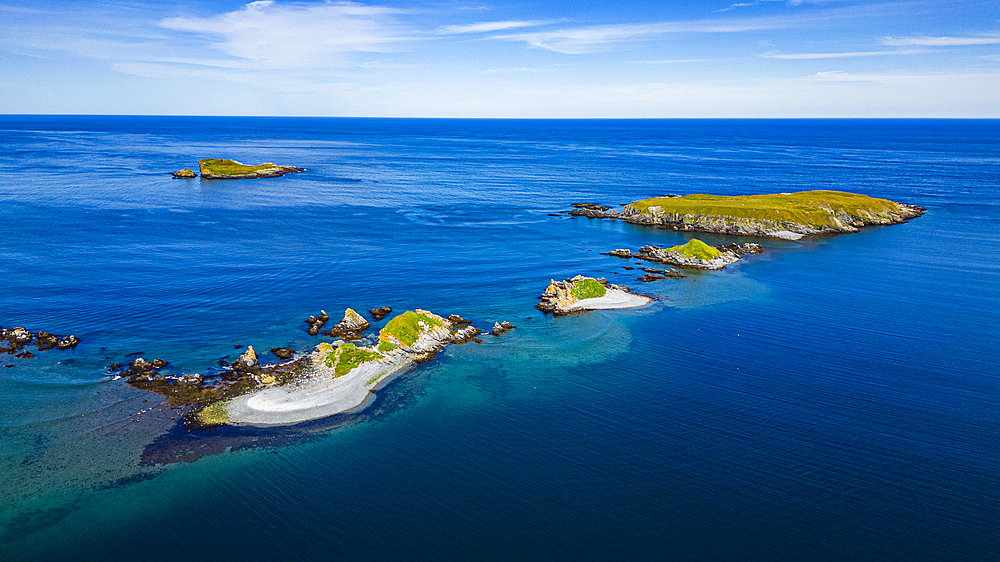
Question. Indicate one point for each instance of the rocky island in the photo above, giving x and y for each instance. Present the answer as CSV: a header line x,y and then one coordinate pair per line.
x,y
783,215
225,169
334,377
581,293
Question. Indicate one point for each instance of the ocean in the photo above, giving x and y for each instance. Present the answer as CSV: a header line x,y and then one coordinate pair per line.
x,y
835,398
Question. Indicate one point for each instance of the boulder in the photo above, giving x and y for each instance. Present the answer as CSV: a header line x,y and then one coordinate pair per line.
x,y
282,352
193,379
46,341
247,362
501,327
140,365
620,253
380,312
68,342
350,326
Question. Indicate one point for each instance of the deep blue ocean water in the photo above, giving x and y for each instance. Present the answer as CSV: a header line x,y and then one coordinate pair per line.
x,y
836,398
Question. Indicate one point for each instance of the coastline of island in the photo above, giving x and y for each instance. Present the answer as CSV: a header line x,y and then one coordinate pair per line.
x,y
227,169
789,216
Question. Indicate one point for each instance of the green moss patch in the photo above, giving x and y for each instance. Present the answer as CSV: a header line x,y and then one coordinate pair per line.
x,y
588,288
406,327
349,356
386,347
817,209
214,414
696,249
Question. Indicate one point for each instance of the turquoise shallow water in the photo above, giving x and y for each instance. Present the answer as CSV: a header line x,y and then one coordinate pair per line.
x,y
836,398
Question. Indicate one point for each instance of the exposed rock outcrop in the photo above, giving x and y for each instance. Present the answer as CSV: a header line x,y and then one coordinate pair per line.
x,y
186,173
500,328
380,312
620,253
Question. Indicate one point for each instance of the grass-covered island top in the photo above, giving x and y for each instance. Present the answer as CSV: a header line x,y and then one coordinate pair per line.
x,y
782,215
225,169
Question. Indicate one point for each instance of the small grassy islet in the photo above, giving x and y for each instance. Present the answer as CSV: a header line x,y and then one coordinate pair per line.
x,y
696,249
588,288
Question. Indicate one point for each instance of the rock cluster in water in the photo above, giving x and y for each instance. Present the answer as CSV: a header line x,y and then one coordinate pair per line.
x,y
380,312
19,337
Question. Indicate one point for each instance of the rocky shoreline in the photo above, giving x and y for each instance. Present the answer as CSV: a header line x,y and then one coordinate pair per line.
x,y
693,255
331,378
226,169
788,216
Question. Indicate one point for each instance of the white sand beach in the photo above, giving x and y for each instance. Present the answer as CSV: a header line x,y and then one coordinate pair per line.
x,y
612,299
317,396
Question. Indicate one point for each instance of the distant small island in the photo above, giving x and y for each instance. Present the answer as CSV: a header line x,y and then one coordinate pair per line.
x,y
225,169
783,215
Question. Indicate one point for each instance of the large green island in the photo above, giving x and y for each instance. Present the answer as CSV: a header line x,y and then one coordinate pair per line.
x,y
781,215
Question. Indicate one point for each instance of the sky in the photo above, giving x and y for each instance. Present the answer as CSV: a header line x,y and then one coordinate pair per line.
x,y
519,59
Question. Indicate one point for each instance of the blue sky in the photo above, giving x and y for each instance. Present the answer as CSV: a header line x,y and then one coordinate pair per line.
x,y
456,58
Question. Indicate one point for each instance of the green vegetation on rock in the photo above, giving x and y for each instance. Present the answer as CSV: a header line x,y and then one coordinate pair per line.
x,y
349,356
214,414
386,347
226,167
696,249
406,328
817,209
588,288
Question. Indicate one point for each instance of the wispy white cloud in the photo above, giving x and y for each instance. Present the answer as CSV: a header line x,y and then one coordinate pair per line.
x,y
276,35
484,27
672,61
588,39
905,79
942,41
807,56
